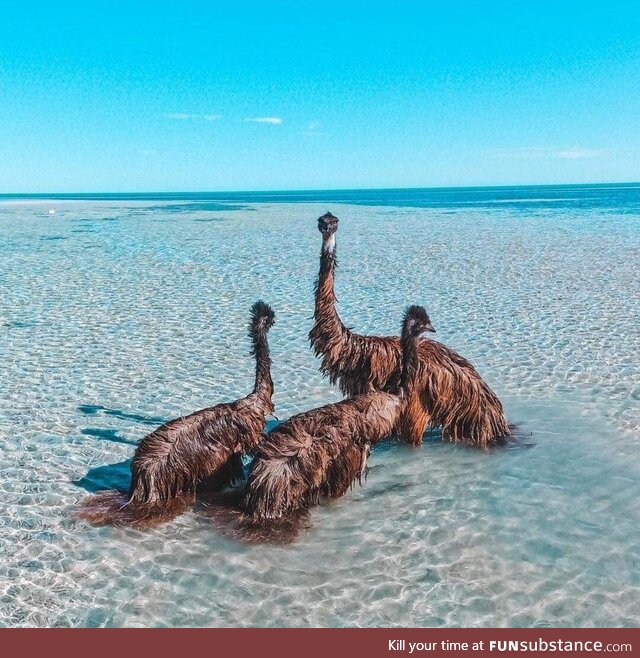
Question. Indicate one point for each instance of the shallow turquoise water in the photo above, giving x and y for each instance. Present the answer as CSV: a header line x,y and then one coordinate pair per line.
x,y
119,314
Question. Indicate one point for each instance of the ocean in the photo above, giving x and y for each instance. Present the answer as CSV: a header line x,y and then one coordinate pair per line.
x,y
118,312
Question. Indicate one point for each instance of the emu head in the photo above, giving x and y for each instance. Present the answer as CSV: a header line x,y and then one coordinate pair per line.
x,y
327,225
416,322
262,318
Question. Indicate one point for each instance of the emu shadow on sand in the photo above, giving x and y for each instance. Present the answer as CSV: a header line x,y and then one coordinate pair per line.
x,y
449,392
318,455
170,462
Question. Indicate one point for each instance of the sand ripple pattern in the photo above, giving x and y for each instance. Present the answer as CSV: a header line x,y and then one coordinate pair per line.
x,y
118,316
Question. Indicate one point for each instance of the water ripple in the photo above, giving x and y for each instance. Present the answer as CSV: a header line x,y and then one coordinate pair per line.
x,y
110,332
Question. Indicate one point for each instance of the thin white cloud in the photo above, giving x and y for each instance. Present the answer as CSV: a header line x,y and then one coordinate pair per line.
x,y
147,152
574,153
185,116
274,121
313,130
314,133
550,152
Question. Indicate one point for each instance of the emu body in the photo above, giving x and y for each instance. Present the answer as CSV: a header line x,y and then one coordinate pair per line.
x,y
320,453
170,462
448,393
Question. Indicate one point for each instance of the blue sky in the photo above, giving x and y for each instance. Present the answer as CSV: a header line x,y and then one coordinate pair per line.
x,y
167,96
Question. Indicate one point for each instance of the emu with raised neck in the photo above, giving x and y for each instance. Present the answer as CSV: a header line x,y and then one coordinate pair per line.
x,y
450,394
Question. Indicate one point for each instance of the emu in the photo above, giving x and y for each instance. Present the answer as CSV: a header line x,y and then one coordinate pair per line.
x,y
170,462
449,392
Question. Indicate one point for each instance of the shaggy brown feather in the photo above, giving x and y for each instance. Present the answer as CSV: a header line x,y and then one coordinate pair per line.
x,y
170,462
449,392
224,510
320,453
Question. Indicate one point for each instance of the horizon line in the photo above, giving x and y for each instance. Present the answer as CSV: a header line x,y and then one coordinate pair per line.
x,y
44,195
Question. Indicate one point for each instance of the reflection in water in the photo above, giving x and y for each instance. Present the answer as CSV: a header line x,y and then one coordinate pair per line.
x,y
105,435
145,320
95,409
110,476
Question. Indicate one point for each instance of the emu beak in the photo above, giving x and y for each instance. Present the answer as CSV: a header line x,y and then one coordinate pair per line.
x,y
429,329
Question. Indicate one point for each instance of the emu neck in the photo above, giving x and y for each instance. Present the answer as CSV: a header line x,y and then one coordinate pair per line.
x,y
326,315
264,384
410,363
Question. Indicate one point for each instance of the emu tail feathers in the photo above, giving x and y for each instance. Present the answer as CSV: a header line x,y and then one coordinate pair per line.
x,y
115,508
226,513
